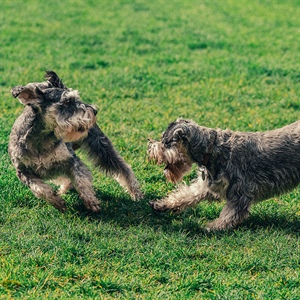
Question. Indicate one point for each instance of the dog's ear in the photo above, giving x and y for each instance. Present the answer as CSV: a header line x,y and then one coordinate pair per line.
x,y
174,135
178,134
17,90
53,78
27,95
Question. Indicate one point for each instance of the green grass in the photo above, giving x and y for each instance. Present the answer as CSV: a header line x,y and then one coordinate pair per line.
x,y
227,64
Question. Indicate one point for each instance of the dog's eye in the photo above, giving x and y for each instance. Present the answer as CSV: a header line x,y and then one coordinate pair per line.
x,y
169,143
79,105
174,140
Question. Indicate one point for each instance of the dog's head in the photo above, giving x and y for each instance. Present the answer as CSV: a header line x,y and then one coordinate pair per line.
x,y
173,150
183,143
61,109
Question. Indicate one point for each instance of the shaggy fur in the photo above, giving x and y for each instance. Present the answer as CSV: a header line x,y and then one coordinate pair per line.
x,y
239,167
42,141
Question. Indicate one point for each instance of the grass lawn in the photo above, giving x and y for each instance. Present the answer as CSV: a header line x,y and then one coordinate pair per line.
x,y
228,64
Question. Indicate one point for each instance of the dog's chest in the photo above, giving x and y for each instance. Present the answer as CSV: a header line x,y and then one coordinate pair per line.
x,y
219,186
43,162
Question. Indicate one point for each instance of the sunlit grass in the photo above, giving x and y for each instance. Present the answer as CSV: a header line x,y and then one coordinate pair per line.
x,y
227,64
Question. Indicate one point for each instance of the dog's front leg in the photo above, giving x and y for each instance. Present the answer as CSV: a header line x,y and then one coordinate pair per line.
x,y
185,196
102,152
81,178
233,213
41,189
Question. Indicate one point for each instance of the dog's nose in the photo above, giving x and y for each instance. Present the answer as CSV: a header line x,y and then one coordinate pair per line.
x,y
95,111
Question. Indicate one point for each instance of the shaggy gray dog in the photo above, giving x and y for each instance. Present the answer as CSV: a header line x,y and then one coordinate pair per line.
x,y
53,124
240,167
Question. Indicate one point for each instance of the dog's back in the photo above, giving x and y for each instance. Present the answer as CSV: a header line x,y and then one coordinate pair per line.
x,y
265,163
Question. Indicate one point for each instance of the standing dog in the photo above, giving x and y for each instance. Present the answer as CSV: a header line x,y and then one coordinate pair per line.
x,y
239,167
42,141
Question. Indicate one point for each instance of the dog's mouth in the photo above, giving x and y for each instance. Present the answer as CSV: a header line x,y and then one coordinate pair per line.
x,y
75,127
177,164
175,172
172,173
70,136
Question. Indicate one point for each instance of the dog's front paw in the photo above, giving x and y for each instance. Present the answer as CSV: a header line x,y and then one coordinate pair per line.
x,y
59,204
137,195
93,206
158,206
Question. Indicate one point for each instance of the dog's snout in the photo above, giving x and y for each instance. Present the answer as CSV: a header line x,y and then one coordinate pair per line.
x,y
93,108
95,111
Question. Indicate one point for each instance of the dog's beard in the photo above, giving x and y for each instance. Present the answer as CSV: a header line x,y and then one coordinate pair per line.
x,y
76,127
176,160
175,172
69,137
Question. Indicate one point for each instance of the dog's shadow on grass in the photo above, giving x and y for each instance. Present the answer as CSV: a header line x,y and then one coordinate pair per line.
x,y
290,224
125,213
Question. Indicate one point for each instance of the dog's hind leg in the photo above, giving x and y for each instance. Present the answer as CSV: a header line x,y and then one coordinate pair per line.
x,y
185,196
104,156
42,190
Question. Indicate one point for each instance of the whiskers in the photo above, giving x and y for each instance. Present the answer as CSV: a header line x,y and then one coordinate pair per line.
x,y
175,158
77,126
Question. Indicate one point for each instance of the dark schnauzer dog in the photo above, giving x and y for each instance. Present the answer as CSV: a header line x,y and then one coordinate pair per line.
x,y
53,124
240,167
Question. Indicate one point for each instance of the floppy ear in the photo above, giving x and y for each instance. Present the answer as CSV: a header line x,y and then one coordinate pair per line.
x,y
52,77
181,133
178,134
27,95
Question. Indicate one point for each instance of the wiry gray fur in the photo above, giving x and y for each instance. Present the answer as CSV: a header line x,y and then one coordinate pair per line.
x,y
239,167
54,123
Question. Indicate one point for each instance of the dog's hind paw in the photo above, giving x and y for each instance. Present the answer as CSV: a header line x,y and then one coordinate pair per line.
x,y
59,204
218,225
